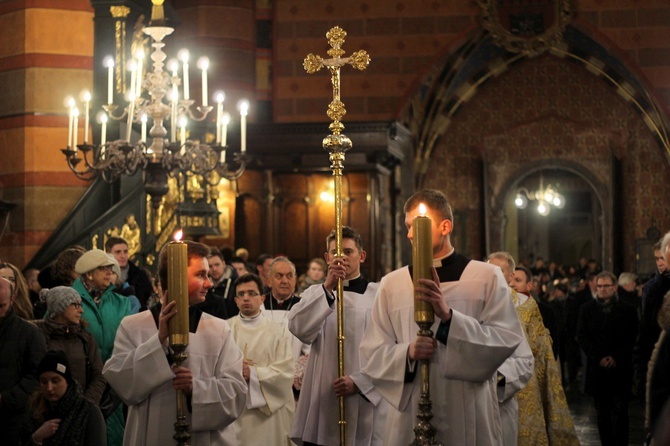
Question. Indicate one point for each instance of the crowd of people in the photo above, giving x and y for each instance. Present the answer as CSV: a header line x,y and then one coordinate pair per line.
x,y
86,358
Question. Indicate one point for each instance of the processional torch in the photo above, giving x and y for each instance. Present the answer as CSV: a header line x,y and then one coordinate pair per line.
x,y
424,316
336,144
177,257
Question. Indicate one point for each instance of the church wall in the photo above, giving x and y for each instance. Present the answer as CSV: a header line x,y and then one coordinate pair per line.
x,y
41,62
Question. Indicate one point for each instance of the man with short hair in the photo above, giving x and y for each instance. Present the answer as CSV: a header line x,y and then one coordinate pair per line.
x,y
267,368
22,347
142,373
606,331
220,300
476,330
135,276
314,321
523,284
263,263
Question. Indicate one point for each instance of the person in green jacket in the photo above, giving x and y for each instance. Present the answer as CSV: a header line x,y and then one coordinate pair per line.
x,y
103,310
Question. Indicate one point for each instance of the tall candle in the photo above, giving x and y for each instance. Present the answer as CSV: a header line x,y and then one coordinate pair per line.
x,y
131,116
225,120
422,261
220,97
244,110
144,127
182,124
133,77
109,63
203,64
70,115
177,258
183,56
173,114
140,68
87,106
75,128
103,130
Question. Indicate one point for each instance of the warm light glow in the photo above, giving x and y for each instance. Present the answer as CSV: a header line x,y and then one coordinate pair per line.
x,y
178,235
144,118
86,96
327,197
203,63
220,97
102,117
70,102
173,66
521,201
108,61
243,106
422,209
225,118
139,55
543,208
559,201
183,55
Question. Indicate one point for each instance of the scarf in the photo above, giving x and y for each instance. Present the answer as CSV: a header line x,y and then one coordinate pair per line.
x,y
73,410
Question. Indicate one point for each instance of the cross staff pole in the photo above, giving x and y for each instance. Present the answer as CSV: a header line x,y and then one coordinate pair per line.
x,y
336,144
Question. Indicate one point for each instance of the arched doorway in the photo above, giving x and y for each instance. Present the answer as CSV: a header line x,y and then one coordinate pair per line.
x,y
562,231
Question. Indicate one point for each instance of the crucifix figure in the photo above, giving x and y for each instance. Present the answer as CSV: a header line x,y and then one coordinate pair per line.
x,y
336,144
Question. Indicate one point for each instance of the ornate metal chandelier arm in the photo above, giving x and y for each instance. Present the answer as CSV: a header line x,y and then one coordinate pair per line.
x,y
185,107
110,109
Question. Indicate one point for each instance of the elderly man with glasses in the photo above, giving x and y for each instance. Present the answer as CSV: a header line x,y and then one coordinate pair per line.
x,y
606,331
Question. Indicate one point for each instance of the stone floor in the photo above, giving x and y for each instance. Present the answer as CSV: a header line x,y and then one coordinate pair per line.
x,y
584,415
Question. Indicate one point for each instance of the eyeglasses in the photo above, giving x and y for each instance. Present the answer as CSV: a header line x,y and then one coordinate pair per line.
x,y
250,293
105,268
605,286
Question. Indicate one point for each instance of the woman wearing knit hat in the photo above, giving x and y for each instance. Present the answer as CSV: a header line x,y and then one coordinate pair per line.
x,y
61,415
64,329
103,310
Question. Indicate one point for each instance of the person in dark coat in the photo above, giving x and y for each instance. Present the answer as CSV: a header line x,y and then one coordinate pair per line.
x,y
21,349
606,331
61,414
220,299
131,274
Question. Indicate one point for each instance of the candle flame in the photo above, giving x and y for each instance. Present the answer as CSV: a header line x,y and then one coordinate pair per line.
x,y
178,235
422,209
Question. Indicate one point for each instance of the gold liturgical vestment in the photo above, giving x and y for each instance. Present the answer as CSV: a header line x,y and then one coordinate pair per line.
x,y
544,418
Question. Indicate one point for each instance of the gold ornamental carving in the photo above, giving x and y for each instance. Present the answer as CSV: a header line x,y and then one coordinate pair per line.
x,y
529,27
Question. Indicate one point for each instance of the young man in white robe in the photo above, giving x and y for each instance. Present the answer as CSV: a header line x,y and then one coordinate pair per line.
x,y
143,375
267,368
314,321
476,330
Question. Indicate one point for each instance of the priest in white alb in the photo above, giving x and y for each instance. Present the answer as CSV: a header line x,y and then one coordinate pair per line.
x,y
476,329
267,368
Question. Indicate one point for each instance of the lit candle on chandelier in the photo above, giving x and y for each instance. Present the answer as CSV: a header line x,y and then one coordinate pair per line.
x,y
75,128
182,125
243,105
177,259
422,261
87,106
203,64
103,130
183,56
109,63
70,116
140,68
225,120
143,119
220,97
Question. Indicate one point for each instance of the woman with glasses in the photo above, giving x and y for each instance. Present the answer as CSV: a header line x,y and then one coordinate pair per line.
x,y
103,310
64,329
22,305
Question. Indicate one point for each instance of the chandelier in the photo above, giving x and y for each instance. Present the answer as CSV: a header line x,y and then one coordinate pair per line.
x,y
545,197
156,96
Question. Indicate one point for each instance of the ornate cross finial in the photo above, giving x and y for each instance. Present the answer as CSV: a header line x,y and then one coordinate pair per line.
x,y
359,60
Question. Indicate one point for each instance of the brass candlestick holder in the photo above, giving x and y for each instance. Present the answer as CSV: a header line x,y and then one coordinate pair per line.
x,y
424,432
336,144
181,434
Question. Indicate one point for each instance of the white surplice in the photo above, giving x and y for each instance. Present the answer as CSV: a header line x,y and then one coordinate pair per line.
x,y
141,375
484,331
270,407
516,371
314,322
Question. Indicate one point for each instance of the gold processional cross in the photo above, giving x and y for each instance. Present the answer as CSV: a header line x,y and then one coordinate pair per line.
x,y
336,144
